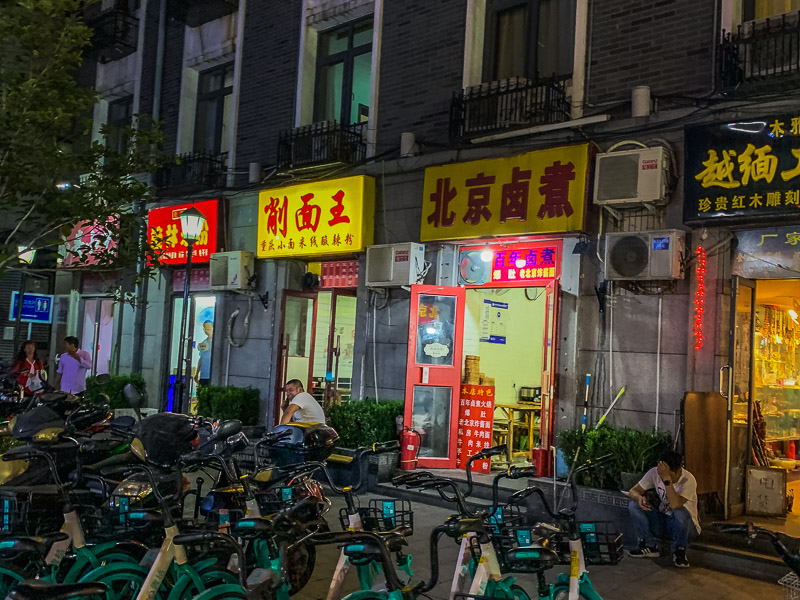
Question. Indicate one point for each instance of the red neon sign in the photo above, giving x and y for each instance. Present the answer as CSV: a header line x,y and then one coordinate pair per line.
x,y
522,264
164,233
699,297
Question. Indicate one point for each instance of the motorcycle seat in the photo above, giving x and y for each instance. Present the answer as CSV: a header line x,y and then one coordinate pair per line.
x,y
39,590
10,546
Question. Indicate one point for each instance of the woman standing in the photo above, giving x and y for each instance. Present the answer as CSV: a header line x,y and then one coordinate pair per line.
x,y
29,367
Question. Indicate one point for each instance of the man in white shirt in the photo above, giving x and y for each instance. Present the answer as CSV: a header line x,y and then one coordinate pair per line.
x,y
670,512
300,406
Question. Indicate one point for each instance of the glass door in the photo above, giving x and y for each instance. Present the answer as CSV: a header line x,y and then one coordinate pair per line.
x,y
98,334
334,341
296,347
433,377
549,360
198,340
739,394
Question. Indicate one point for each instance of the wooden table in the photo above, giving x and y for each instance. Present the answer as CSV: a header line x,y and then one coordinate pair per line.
x,y
528,412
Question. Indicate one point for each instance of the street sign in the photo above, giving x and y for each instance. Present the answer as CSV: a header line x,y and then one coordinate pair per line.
x,y
36,308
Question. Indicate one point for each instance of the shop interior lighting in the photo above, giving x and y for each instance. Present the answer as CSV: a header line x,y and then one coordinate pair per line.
x,y
793,314
520,263
486,254
430,330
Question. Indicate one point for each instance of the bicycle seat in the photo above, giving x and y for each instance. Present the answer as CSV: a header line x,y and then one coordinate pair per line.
x,y
38,590
10,546
253,525
458,527
394,540
533,556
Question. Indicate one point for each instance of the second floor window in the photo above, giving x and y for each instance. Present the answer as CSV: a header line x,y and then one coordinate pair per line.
x,y
214,110
344,73
528,38
753,10
119,119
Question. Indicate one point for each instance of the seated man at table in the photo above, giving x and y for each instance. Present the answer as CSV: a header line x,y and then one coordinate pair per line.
x,y
664,504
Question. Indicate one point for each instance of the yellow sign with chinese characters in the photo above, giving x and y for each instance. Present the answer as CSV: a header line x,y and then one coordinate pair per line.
x,y
539,192
319,218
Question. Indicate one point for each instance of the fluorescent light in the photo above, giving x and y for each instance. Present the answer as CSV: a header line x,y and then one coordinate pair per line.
x,y
486,254
520,263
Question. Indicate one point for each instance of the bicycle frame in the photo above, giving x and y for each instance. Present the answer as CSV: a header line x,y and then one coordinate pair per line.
x,y
487,568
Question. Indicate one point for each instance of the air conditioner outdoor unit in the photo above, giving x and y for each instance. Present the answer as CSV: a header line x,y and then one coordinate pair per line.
x,y
231,270
395,265
645,256
630,178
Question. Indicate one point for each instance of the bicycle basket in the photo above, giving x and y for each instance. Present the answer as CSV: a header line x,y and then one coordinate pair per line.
x,y
602,543
791,586
504,516
382,515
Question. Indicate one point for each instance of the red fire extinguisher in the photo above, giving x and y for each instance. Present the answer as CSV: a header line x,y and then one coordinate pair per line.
x,y
409,448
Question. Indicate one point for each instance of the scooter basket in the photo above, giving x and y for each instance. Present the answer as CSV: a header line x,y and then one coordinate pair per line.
x,y
32,512
602,543
382,515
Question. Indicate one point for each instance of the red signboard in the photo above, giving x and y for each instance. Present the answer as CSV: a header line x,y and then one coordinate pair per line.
x,y
164,232
524,264
339,274
85,240
475,423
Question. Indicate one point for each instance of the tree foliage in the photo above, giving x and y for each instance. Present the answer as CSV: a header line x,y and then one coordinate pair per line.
x,y
52,176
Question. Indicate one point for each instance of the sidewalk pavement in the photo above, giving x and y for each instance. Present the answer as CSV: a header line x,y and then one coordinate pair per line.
x,y
639,579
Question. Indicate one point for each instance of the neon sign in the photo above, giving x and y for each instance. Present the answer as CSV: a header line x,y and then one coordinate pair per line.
x,y
699,297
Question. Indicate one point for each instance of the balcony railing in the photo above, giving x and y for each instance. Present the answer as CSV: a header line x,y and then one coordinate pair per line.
x,y
116,35
320,144
198,12
764,53
508,104
196,171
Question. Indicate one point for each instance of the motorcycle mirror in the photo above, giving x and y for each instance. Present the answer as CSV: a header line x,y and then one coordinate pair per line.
x,y
226,429
134,399
102,378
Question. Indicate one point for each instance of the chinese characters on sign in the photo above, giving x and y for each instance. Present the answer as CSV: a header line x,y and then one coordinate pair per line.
x,y
738,172
85,240
475,422
525,264
164,232
316,218
538,192
767,253
700,297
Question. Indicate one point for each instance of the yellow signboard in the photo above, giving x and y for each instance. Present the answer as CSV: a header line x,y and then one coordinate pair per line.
x,y
319,218
539,192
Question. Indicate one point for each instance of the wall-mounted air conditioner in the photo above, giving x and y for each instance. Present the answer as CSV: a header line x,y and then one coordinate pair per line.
x,y
645,256
630,178
231,270
394,265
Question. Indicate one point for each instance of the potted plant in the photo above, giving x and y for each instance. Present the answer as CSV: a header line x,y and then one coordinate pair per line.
x,y
229,402
365,422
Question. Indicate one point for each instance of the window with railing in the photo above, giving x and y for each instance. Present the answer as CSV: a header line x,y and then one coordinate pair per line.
x,y
761,51
508,104
115,34
323,143
193,171
214,110
198,12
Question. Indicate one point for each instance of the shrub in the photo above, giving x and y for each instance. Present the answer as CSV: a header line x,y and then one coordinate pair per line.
x,y
223,403
365,422
113,389
633,451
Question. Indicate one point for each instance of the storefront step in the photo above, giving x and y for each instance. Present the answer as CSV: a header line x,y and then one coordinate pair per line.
x,y
737,561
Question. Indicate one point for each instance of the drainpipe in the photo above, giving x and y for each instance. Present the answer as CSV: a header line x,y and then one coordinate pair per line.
x,y
141,206
579,58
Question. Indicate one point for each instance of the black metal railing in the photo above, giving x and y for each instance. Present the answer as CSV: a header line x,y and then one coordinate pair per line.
x,y
116,34
761,52
508,104
195,171
198,12
320,144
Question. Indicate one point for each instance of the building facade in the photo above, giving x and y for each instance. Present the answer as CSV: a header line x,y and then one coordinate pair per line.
x,y
444,119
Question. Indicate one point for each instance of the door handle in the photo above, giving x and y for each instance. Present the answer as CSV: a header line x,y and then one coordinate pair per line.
x,y
723,390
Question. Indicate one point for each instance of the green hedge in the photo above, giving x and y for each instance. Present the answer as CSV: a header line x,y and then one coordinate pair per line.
x,y
634,451
221,402
364,422
113,389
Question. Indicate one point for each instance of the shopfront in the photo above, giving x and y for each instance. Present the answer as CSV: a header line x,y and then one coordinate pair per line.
x,y
324,220
481,366
164,230
746,174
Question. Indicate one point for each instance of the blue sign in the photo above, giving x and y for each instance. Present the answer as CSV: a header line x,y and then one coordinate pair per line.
x,y
36,308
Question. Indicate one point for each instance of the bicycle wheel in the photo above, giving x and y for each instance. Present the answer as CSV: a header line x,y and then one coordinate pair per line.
x,y
186,588
124,580
225,592
562,593
10,576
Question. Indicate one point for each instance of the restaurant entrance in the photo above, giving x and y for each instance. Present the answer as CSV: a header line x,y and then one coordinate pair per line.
x,y
481,357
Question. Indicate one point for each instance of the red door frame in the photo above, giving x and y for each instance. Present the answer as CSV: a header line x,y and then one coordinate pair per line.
x,y
436,375
549,379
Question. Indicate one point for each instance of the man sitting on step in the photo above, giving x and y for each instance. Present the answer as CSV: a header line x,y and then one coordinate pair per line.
x,y
664,505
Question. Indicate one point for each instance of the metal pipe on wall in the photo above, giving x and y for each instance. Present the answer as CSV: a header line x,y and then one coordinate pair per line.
x,y
658,360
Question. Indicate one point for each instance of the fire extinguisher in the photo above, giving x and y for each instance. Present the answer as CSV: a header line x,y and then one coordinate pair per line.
x,y
409,448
